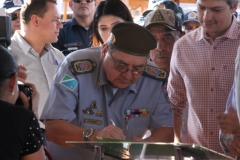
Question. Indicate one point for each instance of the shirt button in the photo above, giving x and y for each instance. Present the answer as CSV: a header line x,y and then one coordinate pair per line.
x,y
211,110
224,67
211,89
211,133
214,47
213,68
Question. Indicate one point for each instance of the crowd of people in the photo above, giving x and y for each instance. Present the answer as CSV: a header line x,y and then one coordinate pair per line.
x,y
99,74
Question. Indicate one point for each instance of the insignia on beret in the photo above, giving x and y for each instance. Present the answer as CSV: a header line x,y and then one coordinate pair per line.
x,y
69,82
179,14
83,66
112,38
155,73
192,15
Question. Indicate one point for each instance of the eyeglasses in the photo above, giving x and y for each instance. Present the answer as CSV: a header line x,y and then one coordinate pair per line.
x,y
124,69
14,16
79,1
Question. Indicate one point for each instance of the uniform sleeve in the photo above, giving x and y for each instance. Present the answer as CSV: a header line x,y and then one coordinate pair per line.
x,y
63,95
163,113
176,87
34,138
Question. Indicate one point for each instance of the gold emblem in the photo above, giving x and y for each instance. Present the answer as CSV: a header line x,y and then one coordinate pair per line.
x,y
99,82
157,17
192,15
92,121
161,6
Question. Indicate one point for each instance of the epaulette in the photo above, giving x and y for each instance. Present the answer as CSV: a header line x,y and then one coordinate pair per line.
x,y
83,66
156,73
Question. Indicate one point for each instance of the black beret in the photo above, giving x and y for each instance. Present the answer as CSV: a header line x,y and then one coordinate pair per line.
x,y
132,39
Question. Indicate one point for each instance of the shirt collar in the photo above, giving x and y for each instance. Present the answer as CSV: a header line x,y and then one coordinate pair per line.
x,y
230,33
25,47
102,80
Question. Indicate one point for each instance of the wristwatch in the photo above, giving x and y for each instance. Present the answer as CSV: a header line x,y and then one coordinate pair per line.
x,y
87,134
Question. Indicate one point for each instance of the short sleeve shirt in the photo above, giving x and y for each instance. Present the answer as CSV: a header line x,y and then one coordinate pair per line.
x,y
20,133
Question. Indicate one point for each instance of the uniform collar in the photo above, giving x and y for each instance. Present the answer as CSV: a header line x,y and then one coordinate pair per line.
x,y
75,23
102,80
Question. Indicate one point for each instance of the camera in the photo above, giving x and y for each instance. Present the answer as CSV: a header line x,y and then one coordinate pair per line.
x,y
27,91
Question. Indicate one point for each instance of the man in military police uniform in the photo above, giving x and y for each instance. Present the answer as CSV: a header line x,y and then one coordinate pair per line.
x,y
100,91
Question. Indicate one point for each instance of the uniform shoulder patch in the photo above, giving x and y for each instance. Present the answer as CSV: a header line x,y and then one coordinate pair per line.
x,y
83,66
69,82
155,73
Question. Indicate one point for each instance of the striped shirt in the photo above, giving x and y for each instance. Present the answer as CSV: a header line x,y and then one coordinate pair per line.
x,y
201,76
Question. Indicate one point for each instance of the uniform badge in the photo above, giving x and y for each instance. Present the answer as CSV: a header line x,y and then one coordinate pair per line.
x,y
129,113
88,111
192,15
161,6
157,18
83,66
179,15
164,89
69,82
93,104
99,113
155,73
92,121
170,17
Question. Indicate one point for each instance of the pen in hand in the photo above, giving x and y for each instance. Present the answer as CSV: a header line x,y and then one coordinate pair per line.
x,y
112,122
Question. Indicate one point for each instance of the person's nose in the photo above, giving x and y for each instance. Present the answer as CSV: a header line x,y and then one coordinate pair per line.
x,y
128,74
161,45
207,15
60,24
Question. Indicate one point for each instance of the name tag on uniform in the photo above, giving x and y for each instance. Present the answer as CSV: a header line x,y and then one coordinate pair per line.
x,y
92,121
129,113
76,44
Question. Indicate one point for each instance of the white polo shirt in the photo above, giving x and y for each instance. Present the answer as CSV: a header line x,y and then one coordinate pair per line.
x,y
40,69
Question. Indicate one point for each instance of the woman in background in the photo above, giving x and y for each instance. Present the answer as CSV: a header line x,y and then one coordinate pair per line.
x,y
20,134
108,13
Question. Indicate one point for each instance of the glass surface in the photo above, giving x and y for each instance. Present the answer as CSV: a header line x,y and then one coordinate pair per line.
x,y
146,150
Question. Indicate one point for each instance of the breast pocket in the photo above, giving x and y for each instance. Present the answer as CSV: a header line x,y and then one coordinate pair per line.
x,y
137,122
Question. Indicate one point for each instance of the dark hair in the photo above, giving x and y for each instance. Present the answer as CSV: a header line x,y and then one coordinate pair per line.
x,y
110,7
8,65
231,3
31,7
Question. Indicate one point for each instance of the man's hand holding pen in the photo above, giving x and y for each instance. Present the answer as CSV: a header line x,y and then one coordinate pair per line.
x,y
111,131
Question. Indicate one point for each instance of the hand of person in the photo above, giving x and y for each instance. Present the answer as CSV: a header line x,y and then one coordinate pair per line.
x,y
111,132
234,146
22,74
35,98
229,123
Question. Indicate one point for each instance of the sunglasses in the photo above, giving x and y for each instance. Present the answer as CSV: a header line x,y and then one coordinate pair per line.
x,y
79,1
14,16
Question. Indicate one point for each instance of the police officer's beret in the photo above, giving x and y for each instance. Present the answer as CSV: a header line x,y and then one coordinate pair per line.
x,y
132,39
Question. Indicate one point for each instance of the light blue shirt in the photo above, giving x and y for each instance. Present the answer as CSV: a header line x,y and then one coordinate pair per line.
x,y
72,95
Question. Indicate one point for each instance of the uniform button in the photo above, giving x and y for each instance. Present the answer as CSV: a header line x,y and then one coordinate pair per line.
x,y
99,82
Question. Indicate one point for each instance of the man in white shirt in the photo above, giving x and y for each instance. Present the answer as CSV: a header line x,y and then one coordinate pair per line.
x,y
31,46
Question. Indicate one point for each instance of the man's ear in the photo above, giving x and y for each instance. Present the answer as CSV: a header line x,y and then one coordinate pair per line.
x,y
104,51
12,82
96,3
234,8
35,19
70,4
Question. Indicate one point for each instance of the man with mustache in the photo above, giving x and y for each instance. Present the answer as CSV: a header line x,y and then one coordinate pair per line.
x,y
165,30
102,90
202,71
77,32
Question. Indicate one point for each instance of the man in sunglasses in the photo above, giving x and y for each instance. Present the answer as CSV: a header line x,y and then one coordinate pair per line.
x,y
13,11
77,32
106,91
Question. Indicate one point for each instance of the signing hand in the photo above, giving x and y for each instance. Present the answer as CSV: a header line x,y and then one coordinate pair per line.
x,y
111,132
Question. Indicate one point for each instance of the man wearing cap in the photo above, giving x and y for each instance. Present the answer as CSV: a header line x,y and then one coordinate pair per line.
x,y
13,10
190,22
202,71
100,91
77,32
